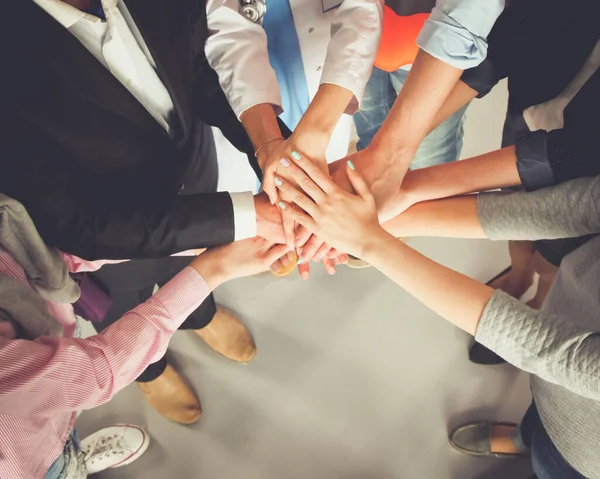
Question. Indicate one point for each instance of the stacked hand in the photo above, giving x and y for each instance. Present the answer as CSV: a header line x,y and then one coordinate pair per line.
x,y
346,221
273,161
278,164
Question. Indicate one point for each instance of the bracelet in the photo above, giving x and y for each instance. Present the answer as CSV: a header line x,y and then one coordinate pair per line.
x,y
266,143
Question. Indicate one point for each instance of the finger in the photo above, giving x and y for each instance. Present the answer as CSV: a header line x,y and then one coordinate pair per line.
x,y
304,270
303,181
276,252
292,194
289,227
284,260
333,253
269,186
276,266
310,249
302,236
358,182
343,258
298,216
291,256
329,266
322,252
314,173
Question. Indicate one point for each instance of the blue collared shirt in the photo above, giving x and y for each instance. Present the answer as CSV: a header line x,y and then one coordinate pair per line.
x,y
456,31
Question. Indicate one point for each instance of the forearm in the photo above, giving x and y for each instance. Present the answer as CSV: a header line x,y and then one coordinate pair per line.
x,y
325,110
460,95
456,297
447,218
261,124
426,89
497,169
563,211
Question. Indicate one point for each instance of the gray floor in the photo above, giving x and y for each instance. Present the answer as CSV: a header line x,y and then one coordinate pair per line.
x,y
354,378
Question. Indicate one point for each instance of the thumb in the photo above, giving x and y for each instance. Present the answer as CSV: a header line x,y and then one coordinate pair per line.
x,y
276,252
358,182
269,186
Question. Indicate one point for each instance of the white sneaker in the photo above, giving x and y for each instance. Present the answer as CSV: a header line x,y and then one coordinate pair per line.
x,y
114,446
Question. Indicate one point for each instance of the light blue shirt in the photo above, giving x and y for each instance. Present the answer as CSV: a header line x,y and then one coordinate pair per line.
x,y
456,31
286,59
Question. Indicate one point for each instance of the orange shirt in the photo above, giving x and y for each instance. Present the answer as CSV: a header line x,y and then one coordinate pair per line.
x,y
398,45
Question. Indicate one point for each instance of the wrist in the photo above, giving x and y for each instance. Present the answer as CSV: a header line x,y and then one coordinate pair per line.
x,y
263,154
391,152
211,266
374,245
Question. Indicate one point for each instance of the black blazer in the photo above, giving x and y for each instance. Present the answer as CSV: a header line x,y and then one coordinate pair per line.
x,y
97,173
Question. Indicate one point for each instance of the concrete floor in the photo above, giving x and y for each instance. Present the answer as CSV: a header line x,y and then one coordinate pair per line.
x,y
354,378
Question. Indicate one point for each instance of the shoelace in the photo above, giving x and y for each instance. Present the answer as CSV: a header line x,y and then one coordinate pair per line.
x,y
105,446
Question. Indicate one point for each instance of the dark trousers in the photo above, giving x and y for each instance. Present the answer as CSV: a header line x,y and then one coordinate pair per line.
x,y
546,459
130,284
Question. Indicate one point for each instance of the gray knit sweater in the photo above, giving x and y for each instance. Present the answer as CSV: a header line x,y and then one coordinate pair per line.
x,y
560,345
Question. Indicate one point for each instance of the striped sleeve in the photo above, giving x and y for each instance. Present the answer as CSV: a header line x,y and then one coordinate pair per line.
x,y
54,374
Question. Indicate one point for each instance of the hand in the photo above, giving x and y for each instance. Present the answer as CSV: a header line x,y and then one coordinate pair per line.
x,y
345,221
383,176
236,260
268,220
303,143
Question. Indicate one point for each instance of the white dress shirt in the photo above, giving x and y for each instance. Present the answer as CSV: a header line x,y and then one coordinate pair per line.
x,y
337,47
118,44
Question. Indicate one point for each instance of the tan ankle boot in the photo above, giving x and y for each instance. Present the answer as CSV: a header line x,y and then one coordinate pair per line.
x,y
171,396
228,336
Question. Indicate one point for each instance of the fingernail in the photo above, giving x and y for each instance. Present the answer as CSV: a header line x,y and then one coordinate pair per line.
x,y
278,181
351,165
300,260
304,275
296,155
285,162
275,268
282,205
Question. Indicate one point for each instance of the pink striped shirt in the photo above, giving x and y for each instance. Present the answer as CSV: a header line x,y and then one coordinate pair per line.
x,y
44,382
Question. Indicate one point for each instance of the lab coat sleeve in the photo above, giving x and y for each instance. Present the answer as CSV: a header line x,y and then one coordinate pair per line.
x,y
237,50
355,34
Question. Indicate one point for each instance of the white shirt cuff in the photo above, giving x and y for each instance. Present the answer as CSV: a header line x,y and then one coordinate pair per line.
x,y
244,215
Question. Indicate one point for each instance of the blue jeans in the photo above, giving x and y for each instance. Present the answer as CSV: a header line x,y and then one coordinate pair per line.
x,y
547,461
442,145
70,464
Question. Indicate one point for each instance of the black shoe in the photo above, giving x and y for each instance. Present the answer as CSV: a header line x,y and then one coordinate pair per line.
x,y
479,354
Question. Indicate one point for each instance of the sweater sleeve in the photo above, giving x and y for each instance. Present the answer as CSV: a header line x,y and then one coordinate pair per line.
x,y
553,348
568,210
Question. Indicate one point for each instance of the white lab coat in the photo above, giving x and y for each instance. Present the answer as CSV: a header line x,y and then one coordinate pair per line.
x,y
338,46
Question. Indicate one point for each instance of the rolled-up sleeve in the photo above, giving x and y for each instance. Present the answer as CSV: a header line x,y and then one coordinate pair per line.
x,y
456,31
355,36
237,50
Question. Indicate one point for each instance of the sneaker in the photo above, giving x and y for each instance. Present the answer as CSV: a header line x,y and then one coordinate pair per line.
x,y
114,446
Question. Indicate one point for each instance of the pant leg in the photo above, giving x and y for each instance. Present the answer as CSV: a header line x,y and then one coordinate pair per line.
x,y
71,463
443,144
523,436
547,461
376,104
205,312
130,284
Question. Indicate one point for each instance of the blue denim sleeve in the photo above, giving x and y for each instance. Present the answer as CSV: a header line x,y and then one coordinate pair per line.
x,y
456,31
